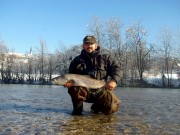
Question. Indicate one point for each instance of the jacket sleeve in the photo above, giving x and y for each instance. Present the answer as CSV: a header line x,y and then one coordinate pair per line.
x,y
113,69
76,66
72,66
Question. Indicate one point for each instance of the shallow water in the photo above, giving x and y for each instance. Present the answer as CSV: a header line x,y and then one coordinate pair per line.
x,y
45,110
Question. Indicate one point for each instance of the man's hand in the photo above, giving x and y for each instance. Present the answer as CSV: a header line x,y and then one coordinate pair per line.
x,y
111,85
68,84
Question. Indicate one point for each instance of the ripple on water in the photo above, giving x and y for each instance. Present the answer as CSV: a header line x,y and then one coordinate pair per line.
x,y
47,110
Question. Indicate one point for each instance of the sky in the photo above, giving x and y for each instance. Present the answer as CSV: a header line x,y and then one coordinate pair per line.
x,y
23,23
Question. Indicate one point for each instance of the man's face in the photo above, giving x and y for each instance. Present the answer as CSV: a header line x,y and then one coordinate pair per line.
x,y
89,47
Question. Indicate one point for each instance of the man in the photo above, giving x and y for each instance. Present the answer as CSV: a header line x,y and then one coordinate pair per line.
x,y
99,66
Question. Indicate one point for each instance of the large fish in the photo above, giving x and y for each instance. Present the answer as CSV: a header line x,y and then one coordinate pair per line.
x,y
79,80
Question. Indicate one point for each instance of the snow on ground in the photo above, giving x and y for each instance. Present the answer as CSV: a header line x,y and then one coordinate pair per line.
x,y
157,80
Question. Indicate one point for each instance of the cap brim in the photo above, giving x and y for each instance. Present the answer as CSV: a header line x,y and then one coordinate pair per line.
x,y
89,42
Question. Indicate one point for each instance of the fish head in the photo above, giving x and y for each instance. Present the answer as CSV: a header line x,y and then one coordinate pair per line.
x,y
59,80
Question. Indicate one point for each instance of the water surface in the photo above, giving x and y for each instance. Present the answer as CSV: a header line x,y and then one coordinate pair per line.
x,y
45,110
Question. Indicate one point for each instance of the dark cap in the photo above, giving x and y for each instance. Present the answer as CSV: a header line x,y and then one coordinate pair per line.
x,y
89,39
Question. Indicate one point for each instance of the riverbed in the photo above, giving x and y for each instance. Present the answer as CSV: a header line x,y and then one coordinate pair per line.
x,y
46,110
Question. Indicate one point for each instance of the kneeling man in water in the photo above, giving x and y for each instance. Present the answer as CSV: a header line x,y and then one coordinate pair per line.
x,y
100,66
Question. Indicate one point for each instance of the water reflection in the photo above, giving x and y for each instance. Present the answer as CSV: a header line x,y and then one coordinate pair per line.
x,y
93,124
31,109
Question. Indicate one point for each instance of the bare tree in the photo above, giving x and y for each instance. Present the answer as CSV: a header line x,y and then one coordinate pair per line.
x,y
136,38
42,59
30,66
166,39
114,39
3,51
64,56
96,28
51,65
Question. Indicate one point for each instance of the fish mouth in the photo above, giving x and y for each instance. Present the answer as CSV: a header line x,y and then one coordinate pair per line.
x,y
53,81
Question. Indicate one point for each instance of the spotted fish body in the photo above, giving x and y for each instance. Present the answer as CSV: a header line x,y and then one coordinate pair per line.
x,y
79,80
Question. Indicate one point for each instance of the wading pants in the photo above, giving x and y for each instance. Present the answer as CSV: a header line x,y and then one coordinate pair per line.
x,y
103,100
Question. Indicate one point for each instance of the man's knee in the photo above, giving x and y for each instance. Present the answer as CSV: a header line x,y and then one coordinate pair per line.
x,y
108,102
78,93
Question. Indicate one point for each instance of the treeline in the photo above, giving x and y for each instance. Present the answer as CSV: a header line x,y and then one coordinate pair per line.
x,y
130,47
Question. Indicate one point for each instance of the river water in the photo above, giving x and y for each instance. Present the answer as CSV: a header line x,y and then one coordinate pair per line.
x,y
46,110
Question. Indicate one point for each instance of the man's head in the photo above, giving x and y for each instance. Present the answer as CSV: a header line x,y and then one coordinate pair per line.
x,y
90,44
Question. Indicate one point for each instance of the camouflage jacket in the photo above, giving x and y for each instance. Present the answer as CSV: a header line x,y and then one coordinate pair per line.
x,y
96,65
